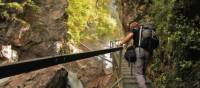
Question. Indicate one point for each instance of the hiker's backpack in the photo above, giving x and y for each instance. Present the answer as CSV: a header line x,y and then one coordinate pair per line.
x,y
146,37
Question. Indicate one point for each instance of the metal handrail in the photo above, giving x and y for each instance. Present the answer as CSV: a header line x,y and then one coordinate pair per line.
x,y
39,63
102,57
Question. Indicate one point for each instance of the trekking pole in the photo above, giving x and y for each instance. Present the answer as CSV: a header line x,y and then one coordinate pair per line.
x,y
140,36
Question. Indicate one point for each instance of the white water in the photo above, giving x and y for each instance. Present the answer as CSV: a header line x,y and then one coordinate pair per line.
x,y
9,54
74,82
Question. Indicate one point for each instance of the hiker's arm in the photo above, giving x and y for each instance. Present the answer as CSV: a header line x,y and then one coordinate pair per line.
x,y
127,38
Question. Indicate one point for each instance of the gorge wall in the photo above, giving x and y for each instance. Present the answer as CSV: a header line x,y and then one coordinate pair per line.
x,y
31,29
37,28
37,31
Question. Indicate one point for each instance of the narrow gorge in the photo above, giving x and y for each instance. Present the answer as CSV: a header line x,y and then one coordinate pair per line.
x,y
38,28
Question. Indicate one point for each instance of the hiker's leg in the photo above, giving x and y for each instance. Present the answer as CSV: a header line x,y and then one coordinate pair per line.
x,y
141,81
140,68
146,60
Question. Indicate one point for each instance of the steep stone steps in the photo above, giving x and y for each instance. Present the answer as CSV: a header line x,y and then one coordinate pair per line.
x,y
129,81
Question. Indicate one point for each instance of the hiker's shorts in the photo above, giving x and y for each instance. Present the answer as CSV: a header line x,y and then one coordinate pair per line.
x,y
141,63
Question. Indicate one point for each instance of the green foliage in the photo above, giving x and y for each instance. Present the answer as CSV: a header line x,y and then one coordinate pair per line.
x,y
35,8
177,32
5,14
90,19
12,9
14,5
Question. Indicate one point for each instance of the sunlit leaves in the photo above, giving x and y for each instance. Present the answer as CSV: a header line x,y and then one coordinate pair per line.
x,y
14,5
90,18
11,9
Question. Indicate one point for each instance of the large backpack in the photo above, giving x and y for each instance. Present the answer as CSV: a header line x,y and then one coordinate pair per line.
x,y
150,40
146,37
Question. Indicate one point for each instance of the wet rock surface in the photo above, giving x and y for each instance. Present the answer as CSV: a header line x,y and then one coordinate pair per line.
x,y
36,34
132,10
92,73
53,77
40,33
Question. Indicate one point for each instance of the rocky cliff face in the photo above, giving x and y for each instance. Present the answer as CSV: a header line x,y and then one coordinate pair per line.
x,y
92,72
38,31
132,10
53,77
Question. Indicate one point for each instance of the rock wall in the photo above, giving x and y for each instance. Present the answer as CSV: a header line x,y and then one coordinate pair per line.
x,y
92,72
37,32
53,77
132,10
40,31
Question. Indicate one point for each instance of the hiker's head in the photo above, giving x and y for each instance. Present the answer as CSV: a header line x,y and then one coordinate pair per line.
x,y
133,25
149,26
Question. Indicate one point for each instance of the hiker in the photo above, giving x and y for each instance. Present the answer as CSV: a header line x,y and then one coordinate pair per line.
x,y
142,52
